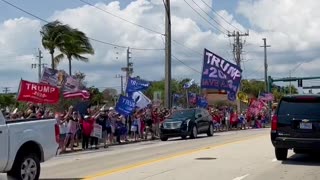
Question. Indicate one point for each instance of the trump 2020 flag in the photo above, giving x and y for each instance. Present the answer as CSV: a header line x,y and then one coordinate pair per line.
x,y
125,106
135,85
141,100
187,85
220,74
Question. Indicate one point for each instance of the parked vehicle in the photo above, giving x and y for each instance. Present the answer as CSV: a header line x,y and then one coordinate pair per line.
x,y
296,125
26,143
187,122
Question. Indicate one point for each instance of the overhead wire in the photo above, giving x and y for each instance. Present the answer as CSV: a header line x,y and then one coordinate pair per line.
x,y
214,11
204,18
93,39
135,24
210,16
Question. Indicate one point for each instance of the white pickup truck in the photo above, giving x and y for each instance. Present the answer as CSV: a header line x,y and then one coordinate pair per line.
x,y
24,144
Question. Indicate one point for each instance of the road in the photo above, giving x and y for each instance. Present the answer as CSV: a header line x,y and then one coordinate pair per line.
x,y
233,155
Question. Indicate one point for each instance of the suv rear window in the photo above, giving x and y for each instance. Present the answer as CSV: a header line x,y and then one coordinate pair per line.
x,y
299,107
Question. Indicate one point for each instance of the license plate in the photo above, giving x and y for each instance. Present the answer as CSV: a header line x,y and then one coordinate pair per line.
x,y
305,125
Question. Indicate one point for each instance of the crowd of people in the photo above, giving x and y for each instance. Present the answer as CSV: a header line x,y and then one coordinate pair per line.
x,y
75,127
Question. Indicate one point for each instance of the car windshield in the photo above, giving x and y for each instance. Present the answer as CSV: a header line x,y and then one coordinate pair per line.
x,y
182,114
289,108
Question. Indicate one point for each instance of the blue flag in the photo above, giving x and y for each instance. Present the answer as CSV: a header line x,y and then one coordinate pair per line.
x,y
125,106
176,97
202,102
218,73
135,85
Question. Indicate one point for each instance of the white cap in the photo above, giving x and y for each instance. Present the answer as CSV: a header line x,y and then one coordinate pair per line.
x,y
111,108
86,116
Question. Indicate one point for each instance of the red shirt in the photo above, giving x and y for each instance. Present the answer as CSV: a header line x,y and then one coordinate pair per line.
x,y
87,126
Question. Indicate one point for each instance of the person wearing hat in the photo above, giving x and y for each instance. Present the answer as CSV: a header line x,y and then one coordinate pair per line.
x,y
87,125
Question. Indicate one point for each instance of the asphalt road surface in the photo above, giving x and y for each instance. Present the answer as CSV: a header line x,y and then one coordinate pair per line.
x,y
233,155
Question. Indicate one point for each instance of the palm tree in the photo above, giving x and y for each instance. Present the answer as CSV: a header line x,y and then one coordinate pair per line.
x,y
53,34
75,44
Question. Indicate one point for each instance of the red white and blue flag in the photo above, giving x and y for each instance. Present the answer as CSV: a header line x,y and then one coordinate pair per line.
x,y
83,94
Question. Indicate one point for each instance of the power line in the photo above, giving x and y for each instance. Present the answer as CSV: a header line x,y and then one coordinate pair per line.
x,y
209,15
121,18
204,18
93,39
186,64
214,11
181,44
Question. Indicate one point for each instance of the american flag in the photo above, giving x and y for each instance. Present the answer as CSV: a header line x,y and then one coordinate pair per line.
x,y
84,94
266,97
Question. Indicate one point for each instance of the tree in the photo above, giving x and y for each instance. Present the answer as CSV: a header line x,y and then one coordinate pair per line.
x,y
7,100
96,97
80,76
252,87
75,44
53,34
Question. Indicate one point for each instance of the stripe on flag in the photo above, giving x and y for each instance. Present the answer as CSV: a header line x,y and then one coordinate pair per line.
x,y
84,94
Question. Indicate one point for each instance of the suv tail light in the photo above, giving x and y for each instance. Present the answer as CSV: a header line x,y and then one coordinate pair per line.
x,y
274,123
57,132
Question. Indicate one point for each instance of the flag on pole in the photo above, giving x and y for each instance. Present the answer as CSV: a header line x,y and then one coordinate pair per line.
x,y
187,85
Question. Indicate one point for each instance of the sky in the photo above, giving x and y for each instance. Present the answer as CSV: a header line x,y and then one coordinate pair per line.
x,y
290,26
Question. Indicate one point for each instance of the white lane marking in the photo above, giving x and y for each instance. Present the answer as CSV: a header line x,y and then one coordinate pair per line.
x,y
274,160
241,177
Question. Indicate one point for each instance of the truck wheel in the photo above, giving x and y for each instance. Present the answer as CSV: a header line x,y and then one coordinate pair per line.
x,y
210,130
26,168
281,153
164,138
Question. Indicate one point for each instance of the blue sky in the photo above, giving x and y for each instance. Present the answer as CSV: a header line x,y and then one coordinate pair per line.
x,y
290,35
45,8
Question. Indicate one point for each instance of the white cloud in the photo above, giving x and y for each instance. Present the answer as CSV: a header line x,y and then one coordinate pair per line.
x,y
292,36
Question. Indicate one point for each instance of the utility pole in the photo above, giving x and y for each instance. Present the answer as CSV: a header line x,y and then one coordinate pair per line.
x,y
121,78
265,46
38,65
237,50
167,87
129,67
6,90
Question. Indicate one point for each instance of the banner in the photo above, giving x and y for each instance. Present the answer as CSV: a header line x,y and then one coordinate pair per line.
x,y
53,77
218,73
141,100
125,106
38,93
97,131
135,85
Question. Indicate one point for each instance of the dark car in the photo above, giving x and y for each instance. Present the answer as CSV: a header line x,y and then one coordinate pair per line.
x,y
187,122
296,125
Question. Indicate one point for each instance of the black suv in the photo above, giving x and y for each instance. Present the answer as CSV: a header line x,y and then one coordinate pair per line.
x,y
187,122
296,125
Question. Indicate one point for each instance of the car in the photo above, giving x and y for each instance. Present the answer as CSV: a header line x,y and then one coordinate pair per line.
x,y
187,122
24,144
296,125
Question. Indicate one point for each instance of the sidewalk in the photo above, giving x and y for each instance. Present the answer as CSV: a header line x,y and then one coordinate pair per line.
x,y
101,145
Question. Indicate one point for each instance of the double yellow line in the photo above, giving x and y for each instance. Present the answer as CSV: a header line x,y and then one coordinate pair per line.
x,y
152,161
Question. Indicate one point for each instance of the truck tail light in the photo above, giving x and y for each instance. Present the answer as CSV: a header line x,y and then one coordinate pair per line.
x,y
57,132
274,123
